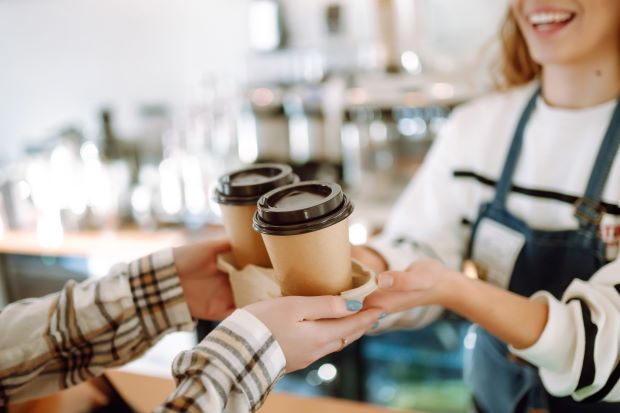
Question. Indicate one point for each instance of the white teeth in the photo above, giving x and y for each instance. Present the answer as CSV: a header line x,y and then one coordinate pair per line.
x,y
549,18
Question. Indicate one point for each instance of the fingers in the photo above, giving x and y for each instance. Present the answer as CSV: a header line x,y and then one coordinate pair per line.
x,y
218,246
397,281
192,257
380,299
349,329
393,302
226,313
323,307
345,327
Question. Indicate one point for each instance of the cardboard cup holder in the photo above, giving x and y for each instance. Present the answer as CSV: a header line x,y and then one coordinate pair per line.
x,y
252,283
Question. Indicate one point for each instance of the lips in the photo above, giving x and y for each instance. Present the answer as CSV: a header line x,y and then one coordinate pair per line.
x,y
550,21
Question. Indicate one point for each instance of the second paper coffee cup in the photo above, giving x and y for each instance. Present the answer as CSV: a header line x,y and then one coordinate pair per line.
x,y
305,229
237,193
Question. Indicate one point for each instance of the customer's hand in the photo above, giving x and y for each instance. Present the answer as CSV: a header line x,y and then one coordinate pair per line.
x,y
206,289
425,282
308,328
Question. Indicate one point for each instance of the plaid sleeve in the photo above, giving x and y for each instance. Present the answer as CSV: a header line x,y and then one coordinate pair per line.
x,y
51,343
232,369
157,295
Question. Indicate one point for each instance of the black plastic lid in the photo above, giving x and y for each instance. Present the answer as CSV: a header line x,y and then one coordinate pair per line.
x,y
245,186
301,208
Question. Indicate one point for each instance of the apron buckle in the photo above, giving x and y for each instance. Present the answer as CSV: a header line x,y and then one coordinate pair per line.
x,y
589,211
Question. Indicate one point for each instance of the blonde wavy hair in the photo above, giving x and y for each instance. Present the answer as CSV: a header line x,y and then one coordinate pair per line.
x,y
515,66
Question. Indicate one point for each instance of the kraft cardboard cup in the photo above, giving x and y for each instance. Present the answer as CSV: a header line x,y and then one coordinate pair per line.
x,y
247,245
305,229
237,193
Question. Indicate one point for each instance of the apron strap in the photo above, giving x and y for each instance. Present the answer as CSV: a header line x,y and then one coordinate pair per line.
x,y
510,165
588,209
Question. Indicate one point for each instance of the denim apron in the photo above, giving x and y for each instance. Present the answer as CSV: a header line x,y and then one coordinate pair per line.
x,y
547,260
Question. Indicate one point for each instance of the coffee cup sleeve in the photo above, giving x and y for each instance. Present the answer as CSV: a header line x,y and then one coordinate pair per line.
x,y
253,284
364,282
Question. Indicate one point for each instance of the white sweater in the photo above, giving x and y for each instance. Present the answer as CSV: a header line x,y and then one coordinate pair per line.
x,y
433,216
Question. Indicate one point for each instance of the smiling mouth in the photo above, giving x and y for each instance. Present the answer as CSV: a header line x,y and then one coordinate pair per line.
x,y
548,21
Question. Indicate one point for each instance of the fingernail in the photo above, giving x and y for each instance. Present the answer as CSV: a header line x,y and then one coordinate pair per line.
x,y
354,305
375,325
386,281
383,315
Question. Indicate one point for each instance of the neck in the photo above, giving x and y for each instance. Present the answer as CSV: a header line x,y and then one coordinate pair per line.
x,y
583,84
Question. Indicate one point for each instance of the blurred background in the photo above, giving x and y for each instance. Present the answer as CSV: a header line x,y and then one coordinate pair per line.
x,y
117,117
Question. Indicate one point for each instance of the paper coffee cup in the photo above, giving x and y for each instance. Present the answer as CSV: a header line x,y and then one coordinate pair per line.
x,y
237,193
305,229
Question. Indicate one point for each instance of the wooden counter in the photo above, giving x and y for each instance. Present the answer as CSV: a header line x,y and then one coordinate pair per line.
x,y
90,243
102,248
125,244
145,393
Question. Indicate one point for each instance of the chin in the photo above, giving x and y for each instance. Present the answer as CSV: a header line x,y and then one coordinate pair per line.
x,y
550,56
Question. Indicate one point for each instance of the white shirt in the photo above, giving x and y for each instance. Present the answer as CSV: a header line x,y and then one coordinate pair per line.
x,y
434,214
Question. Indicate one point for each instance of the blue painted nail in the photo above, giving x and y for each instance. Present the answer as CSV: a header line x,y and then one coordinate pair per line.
x,y
375,325
383,315
354,305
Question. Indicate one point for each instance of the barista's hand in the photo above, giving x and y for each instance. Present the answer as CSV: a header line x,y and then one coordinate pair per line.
x,y
308,328
428,282
206,289
425,282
